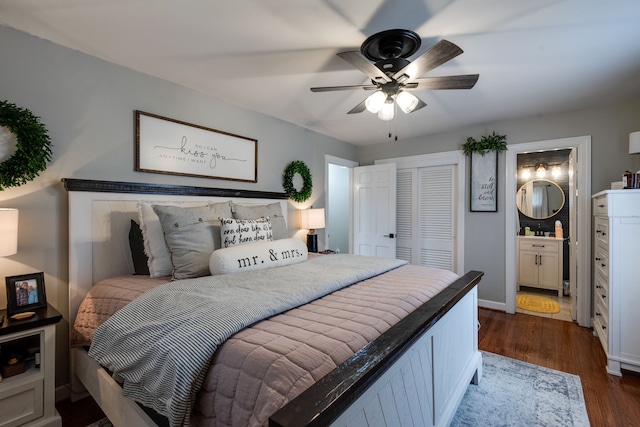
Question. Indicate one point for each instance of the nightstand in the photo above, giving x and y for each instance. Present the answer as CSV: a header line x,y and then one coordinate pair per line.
x,y
28,398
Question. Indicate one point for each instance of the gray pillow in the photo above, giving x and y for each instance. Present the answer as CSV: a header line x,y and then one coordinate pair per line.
x,y
272,210
192,234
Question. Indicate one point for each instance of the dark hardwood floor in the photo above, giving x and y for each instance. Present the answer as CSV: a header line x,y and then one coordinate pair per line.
x,y
611,401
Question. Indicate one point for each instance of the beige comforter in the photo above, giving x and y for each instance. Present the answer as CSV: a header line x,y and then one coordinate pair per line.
x,y
260,369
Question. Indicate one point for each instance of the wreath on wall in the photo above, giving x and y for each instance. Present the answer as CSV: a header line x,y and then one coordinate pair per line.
x,y
297,167
32,149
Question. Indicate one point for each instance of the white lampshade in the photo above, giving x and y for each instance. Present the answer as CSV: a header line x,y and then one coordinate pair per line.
x,y
387,112
8,231
634,142
374,102
311,219
406,101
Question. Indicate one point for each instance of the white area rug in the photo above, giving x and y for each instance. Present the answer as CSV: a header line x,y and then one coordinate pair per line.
x,y
514,393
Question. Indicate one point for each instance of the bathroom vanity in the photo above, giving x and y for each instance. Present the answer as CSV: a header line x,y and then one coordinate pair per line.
x,y
539,263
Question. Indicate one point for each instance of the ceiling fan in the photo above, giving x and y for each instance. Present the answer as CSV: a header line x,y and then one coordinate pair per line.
x,y
383,58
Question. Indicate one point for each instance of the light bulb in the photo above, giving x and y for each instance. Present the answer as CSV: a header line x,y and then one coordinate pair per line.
x,y
526,173
555,171
541,171
375,101
386,112
406,101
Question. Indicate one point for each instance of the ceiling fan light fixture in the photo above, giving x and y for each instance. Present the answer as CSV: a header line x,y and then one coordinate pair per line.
x,y
406,101
375,101
387,113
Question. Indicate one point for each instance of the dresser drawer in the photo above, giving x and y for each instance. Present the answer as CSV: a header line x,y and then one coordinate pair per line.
x,y
601,262
601,290
600,205
602,231
601,326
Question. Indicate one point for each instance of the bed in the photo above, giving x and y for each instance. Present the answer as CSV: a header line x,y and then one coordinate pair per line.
x,y
414,372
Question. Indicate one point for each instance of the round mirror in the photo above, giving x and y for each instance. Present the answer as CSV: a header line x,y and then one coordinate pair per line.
x,y
540,199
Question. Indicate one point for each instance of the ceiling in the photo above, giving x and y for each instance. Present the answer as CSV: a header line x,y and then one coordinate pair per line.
x,y
533,56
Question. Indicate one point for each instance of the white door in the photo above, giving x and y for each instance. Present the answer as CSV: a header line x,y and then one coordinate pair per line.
x,y
427,216
573,237
374,210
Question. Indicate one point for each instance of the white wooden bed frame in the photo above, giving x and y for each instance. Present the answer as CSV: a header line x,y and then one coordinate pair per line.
x,y
415,374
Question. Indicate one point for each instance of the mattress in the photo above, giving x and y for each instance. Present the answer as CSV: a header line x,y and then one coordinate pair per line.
x,y
261,368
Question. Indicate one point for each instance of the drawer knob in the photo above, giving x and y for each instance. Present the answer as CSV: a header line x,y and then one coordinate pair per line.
x,y
604,327
598,287
598,259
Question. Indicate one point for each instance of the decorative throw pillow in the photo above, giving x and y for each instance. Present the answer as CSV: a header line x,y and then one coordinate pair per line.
x,y
240,231
272,210
154,245
191,234
136,244
257,256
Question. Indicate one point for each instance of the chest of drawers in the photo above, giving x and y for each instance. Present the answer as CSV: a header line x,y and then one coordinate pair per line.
x,y
616,277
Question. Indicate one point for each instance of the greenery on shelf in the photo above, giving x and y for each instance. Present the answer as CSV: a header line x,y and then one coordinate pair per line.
x,y
486,143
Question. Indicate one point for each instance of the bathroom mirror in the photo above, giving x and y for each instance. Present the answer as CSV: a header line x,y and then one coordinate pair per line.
x,y
540,199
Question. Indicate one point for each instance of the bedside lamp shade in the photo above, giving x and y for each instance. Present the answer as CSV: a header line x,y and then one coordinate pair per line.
x,y
634,142
312,219
8,232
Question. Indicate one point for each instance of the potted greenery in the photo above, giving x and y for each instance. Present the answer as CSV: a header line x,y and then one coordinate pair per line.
x,y
486,143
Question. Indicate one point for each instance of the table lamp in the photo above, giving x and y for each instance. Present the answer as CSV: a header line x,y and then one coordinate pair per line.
x,y
312,219
634,143
8,231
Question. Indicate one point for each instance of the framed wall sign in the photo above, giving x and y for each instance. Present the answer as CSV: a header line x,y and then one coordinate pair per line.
x,y
484,184
173,147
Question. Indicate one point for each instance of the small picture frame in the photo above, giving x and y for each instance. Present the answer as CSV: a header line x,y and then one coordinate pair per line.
x,y
25,293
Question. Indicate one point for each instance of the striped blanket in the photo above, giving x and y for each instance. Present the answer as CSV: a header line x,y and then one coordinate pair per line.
x,y
160,345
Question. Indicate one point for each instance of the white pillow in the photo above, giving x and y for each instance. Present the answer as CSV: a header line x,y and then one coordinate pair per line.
x,y
257,256
241,231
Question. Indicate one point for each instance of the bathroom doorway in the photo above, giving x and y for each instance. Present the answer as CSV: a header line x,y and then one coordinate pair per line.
x,y
578,229
543,251
338,204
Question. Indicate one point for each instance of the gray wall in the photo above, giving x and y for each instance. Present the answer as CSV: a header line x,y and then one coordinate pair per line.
x,y
609,128
88,107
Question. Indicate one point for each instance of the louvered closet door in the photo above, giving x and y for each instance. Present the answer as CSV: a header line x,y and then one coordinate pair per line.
x,y
425,216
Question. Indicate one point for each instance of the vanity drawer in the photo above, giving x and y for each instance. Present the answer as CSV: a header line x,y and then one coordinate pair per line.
x,y
541,245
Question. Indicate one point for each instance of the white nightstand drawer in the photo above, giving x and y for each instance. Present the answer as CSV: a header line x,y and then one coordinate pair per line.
x,y
21,404
602,231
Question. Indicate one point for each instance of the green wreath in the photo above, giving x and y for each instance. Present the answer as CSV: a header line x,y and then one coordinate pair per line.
x,y
297,167
33,146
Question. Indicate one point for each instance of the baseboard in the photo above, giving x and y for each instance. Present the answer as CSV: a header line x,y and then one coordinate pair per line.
x,y
62,393
500,306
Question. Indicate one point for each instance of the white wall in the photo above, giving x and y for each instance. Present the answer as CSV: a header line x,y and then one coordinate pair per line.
x,y
609,127
88,107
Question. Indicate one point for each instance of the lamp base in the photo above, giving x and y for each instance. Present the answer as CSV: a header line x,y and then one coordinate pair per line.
x,y
312,242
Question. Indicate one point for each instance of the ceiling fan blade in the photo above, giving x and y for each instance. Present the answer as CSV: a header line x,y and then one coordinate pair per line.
x,y
420,105
361,62
438,54
358,108
466,81
333,88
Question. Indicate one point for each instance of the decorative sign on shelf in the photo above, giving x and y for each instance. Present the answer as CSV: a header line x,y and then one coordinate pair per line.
x,y
484,184
173,147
